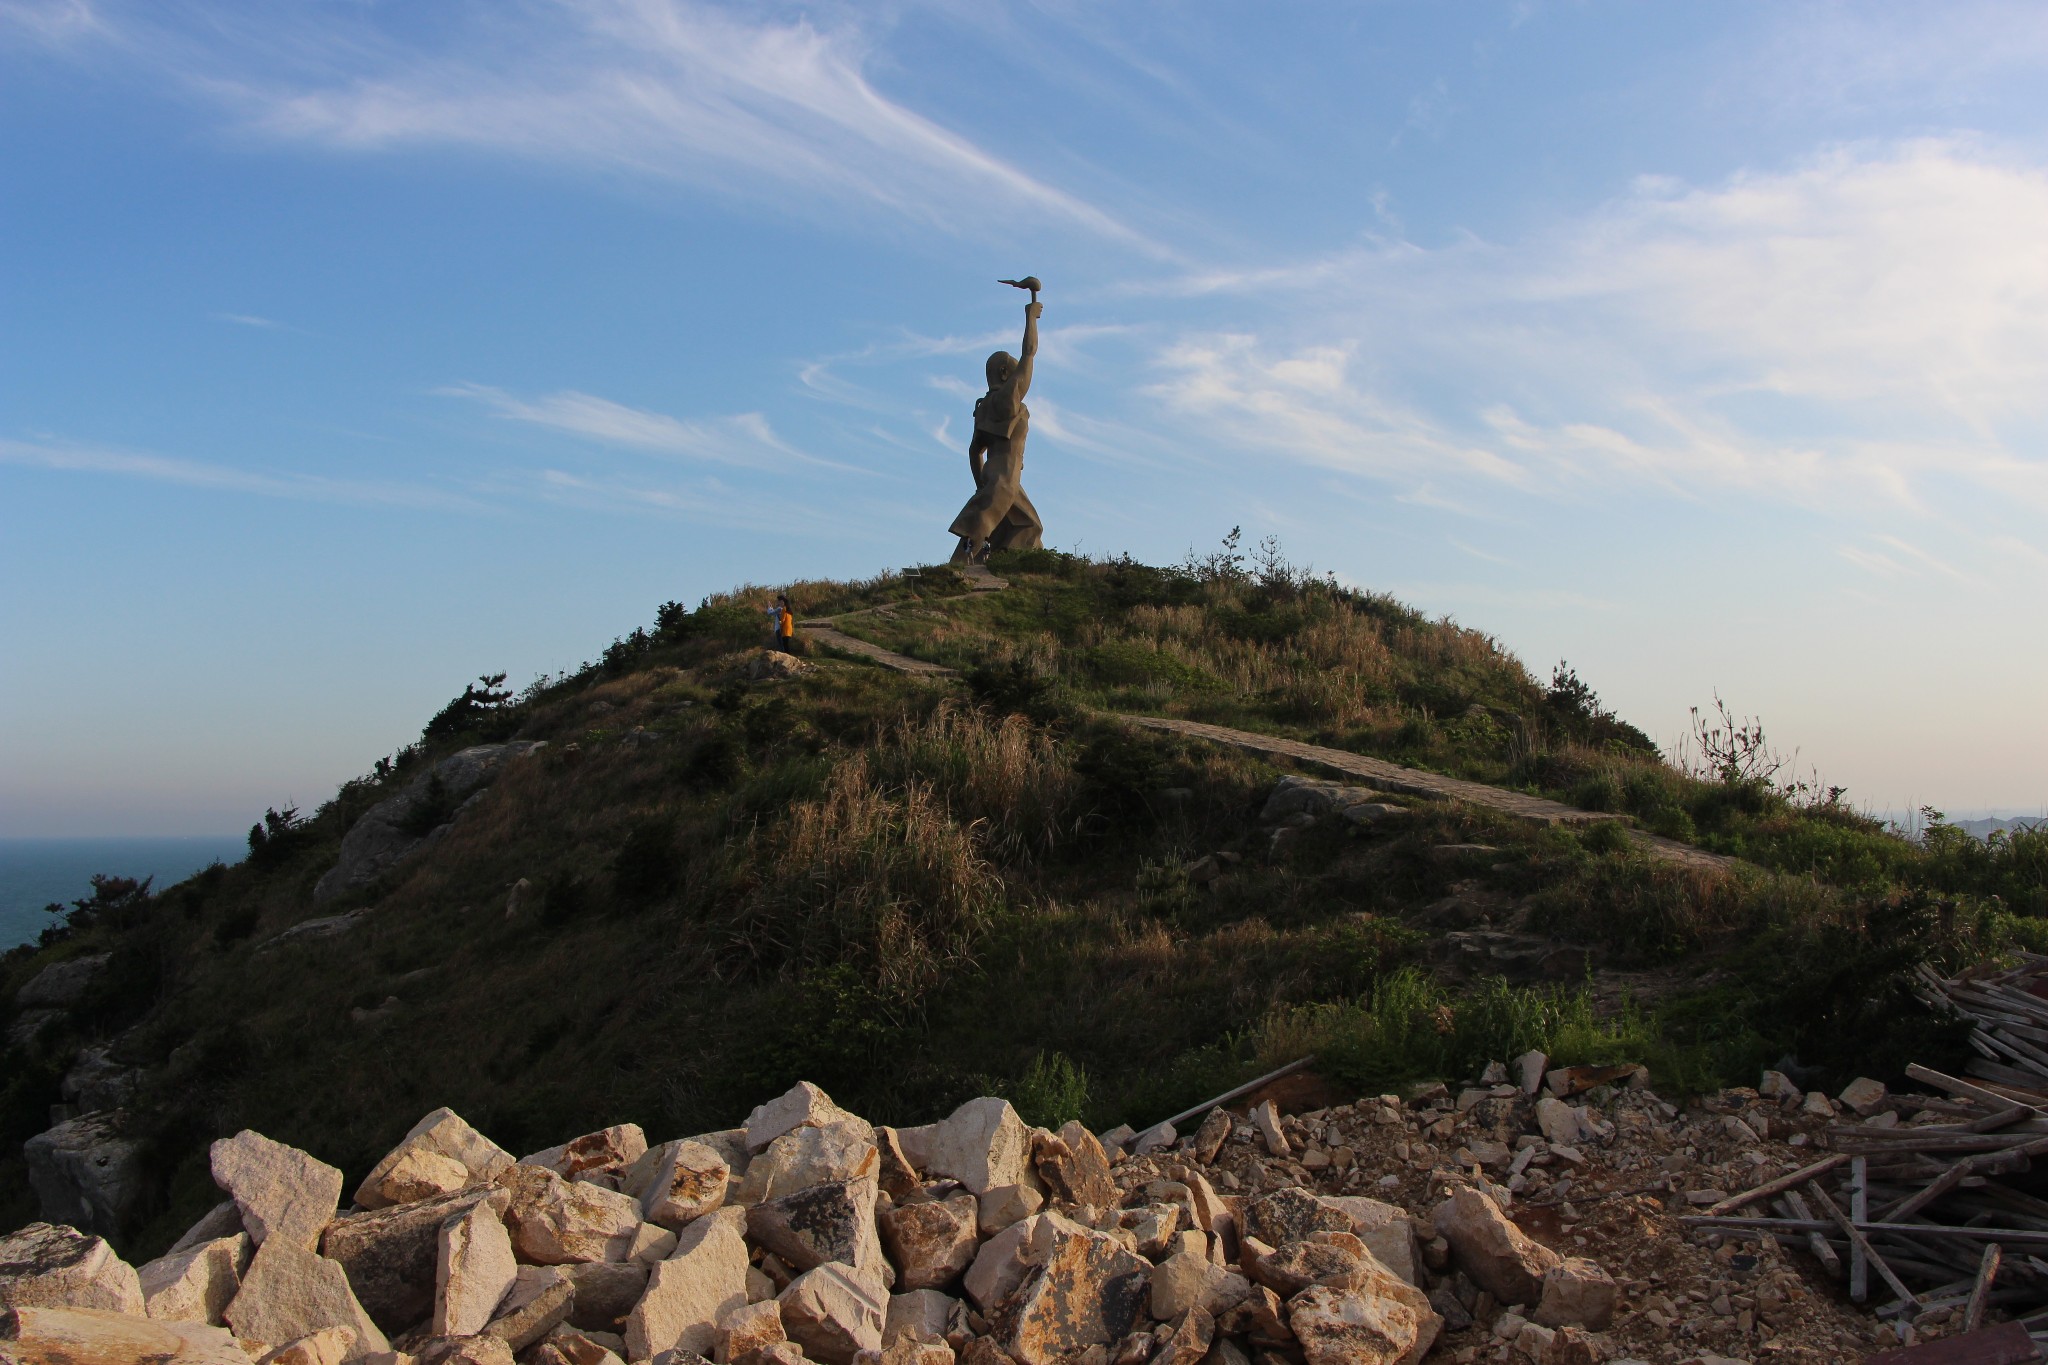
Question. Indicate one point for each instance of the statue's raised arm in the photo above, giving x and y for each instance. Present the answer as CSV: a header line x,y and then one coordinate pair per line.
x,y
1020,379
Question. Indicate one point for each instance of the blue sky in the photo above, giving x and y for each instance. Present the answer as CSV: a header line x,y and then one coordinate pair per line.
x,y
349,349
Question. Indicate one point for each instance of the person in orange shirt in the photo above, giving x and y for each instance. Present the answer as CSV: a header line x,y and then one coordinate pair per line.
x,y
785,625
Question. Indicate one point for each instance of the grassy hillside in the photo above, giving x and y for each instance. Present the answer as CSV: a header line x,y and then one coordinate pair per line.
x,y
913,890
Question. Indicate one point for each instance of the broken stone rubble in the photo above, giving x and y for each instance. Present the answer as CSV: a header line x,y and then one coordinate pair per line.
x,y
1173,1256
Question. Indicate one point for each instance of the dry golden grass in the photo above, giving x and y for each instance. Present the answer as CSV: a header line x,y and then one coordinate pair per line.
x,y
1000,773
872,873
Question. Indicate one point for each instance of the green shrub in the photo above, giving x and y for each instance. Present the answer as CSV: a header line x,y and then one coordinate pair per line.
x,y
1126,663
1037,561
1605,836
1409,1027
1052,1090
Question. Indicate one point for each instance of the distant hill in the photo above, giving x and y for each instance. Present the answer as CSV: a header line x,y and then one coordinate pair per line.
x,y
687,875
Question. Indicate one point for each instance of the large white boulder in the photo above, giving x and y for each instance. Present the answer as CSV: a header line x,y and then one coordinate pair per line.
x,y
197,1284
832,1222
931,1242
688,1180
289,1293
843,1149
604,1151
1387,1231
1089,1291
1360,1326
1498,1256
420,1159
391,1255
982,1144
93,1336
834,1314
803,1106
690,1292
556,1221
280,1191
474,1267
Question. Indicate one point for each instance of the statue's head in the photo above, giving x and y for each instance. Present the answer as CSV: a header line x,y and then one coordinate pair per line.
x,y
1001,366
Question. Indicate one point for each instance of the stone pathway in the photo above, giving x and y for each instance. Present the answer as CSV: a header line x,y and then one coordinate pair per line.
x,y
1381,775
1376,773
824,633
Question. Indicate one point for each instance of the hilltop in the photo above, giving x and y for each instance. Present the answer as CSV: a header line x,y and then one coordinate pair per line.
x,y
687,876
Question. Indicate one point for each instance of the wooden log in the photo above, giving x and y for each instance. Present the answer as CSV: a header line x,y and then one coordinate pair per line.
x,y
2007,1236
1781,1184
1859,1208
1206,1105
2026,1063
2017,1199
1927,1075
1823,1250
1857,1240
2014,999
1951,1178
1980,1293
2006,1075
1891,1141
2029,1055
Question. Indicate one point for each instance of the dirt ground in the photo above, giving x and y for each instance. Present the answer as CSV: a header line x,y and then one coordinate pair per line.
x,y
1613,1195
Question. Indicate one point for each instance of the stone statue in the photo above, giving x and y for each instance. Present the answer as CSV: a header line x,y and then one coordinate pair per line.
x,y
999,516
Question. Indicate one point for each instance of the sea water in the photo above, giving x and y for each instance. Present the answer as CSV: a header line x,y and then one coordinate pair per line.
x,y
35,872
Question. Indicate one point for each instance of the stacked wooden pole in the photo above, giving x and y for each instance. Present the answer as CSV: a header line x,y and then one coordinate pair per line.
x,y
1944,1214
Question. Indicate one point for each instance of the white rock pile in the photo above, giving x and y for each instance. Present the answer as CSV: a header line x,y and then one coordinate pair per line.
x,y
806,1235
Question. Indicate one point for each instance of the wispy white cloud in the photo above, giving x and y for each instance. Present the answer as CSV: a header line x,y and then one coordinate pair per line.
x,y
1890,55
1863,333
227,478
54,22
737,100
248,320
1306,404
715,502
744,439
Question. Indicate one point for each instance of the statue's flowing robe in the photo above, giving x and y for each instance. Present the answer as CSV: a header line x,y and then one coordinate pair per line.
x,y
1000,512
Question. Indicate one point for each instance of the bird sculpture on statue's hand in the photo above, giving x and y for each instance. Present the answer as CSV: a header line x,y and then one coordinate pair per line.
x,y
1028,282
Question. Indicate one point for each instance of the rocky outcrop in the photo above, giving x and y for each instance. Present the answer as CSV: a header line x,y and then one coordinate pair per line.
x,y
61,985
982,1144
85,1173
97,1082
401,825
